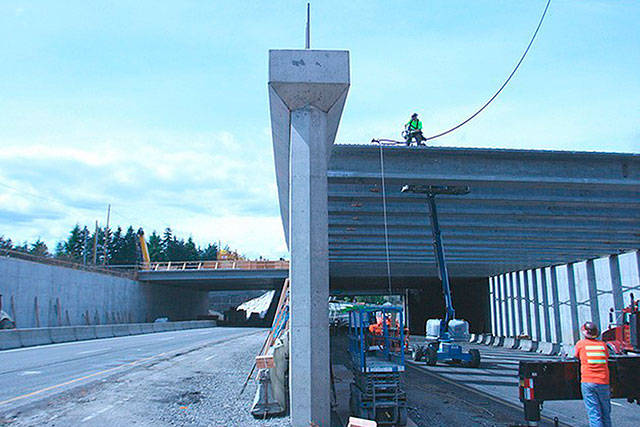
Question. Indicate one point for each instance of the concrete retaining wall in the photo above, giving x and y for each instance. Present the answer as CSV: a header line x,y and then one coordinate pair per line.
x,y
15,338
40,295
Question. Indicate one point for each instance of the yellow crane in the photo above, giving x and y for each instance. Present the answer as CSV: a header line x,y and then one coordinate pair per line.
x,y
146,260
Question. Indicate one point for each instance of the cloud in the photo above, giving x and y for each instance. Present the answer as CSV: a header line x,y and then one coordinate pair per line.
x,y
208,185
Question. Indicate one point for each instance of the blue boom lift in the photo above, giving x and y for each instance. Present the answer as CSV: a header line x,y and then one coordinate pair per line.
x,y
443,348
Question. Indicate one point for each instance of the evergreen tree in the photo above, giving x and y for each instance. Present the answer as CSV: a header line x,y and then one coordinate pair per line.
x,y
210,253
5,243
155,248
39,248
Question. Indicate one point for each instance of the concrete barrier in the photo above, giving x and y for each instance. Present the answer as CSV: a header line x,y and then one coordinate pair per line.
x,y
104,331
135,329
121,330
63,334
9,338
34,336
497,341
14,338
548,348
473,337
510,342
160,326
486,339
528,345
146,328
85,333
568,349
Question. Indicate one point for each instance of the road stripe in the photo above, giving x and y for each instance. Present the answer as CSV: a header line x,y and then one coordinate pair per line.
x,y
94,351
95,414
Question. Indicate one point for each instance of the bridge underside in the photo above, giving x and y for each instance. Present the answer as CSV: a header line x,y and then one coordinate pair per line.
x,y
525,209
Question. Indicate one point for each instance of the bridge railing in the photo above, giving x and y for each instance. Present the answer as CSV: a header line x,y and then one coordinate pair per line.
x,y
217,265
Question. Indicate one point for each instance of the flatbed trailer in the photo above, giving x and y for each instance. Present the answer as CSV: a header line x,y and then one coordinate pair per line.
x,y
545,380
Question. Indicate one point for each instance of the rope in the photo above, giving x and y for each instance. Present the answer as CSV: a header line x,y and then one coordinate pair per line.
x,y
495,95
384,213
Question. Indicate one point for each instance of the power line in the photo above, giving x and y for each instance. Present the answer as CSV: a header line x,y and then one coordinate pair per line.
x,y
495,95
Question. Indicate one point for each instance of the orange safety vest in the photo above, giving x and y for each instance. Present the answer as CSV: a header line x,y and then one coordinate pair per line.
x,y
593,355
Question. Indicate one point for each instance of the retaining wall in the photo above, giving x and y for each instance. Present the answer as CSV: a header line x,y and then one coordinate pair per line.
x,y
41,295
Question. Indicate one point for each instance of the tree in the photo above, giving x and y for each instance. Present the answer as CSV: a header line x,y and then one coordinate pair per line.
x,y
155,248
209,253
5,243
39,248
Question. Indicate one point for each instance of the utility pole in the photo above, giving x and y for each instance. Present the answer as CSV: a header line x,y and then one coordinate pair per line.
x,y
106,237
85,231
95,245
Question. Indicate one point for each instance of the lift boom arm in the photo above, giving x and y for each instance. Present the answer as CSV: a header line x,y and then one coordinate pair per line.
x,y
431,191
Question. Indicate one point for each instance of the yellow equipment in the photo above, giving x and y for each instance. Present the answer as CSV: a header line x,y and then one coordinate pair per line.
x,y
146,260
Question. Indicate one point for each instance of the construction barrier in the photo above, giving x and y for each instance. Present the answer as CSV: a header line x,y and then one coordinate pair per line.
x,y
497,341
9,338
15,338
121,330
487,339
548,348
510,342
568,349
473,337
63,334
528,345
34,336
85,333
104,331
135,329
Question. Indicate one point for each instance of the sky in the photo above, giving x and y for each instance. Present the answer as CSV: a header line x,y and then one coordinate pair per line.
x,y
160,108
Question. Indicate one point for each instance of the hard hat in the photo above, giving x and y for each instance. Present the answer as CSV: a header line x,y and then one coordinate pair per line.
x,y
590,330
414,115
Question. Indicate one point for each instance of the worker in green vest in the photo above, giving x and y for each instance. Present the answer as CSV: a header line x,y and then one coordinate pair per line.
x,y
413,131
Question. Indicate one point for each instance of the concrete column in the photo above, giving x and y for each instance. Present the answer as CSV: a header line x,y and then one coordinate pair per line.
x,y
307,91
527,298
573,303
499,311
505,305
545,304
616,287
536,305
556,304
593,294
492,299
518,284
512,305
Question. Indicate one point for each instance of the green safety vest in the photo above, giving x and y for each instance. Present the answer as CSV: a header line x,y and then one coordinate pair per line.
x,y
414,125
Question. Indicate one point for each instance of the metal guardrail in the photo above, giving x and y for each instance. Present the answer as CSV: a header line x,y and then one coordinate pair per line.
x,y
62,263
217,265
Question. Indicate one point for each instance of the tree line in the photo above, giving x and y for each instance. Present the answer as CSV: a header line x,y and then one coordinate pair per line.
x,y
119,247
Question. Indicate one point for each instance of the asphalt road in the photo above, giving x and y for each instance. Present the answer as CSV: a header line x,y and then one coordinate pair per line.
x,y
497,378
31,374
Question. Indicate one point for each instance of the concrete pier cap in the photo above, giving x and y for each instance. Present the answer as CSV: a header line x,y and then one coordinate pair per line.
x,y
307,92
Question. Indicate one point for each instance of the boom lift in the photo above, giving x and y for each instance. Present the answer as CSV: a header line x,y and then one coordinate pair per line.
x,y
625,338
146,260
443,348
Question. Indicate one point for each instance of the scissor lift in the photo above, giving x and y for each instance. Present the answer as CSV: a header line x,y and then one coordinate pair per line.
x,y
377,362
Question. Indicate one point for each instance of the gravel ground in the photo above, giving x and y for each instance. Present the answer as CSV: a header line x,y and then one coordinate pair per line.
x,y
196,388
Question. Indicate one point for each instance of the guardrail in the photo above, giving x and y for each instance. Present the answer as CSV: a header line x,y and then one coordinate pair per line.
x,y
218,265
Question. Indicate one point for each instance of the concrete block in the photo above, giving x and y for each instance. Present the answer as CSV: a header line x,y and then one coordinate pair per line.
x,y
146,328
568,349
487,339
34,336
85,333
473,337
104,331
548,348
10,339
497,341
121,330
510,342
528,345
63,334
135,329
